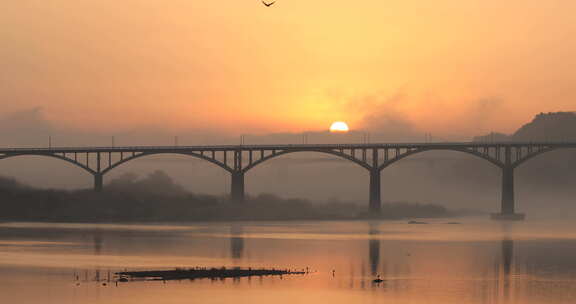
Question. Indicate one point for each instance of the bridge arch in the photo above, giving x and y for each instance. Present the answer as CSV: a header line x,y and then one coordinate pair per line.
x,y
284,152
421,150
75,163
354,164
530,156
196,155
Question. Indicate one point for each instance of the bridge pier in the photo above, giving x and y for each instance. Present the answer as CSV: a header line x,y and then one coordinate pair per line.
x,y
237,187
375,194
98,182
507,207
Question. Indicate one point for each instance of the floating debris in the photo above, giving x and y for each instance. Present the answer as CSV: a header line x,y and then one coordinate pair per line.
x,y
417,223
202,273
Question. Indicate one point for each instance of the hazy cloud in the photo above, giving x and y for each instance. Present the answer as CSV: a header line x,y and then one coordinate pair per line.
x,y
25,127
384,118
483,111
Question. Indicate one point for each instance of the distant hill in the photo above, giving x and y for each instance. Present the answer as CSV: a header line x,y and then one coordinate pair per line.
x,y
552,126
556,126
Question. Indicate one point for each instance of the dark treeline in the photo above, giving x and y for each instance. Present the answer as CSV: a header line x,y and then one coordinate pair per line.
x,y
156,198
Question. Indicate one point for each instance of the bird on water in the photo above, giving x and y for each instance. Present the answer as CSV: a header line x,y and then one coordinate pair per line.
x,y
378,280
268,4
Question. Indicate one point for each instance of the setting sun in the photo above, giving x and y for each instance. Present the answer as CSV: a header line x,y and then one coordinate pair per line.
x,y
339,126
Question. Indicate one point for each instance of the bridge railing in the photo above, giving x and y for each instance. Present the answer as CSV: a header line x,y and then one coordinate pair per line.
x,y
280,146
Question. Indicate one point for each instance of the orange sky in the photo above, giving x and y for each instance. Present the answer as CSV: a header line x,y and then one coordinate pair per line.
x,y
452,67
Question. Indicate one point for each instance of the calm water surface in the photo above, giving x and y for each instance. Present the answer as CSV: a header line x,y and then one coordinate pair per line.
x,y
477,261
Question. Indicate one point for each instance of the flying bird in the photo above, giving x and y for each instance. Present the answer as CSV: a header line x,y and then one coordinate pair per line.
x,y
268,4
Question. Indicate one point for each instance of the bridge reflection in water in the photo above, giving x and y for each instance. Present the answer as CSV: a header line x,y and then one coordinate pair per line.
x,y
374,248
236,241
500,284
238,160
490,270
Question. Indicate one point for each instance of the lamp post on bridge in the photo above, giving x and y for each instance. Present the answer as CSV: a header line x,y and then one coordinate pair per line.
x,y
365,137
428,137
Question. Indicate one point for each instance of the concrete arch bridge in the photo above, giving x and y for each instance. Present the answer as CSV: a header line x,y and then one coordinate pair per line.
x,y
239,159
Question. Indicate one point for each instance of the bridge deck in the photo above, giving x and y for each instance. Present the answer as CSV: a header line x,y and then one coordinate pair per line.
x,y
283,146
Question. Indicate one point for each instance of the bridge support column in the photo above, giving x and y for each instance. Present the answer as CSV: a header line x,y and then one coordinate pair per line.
x,y
375,198
507,191
237,187
98,182
507,207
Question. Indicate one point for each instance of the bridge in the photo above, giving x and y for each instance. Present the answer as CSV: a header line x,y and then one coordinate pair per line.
x,y
239,159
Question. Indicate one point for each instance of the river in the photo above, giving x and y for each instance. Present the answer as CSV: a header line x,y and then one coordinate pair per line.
x,y
475,261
